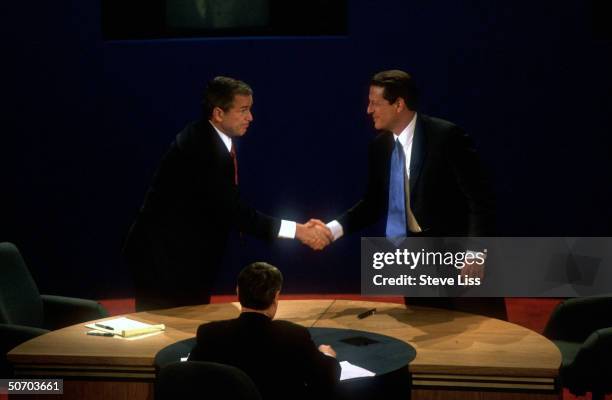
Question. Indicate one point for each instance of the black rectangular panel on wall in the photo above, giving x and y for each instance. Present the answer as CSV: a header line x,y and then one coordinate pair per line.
x,y
142,19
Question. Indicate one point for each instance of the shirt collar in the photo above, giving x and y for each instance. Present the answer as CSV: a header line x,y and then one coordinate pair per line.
x,y
227,141
405,136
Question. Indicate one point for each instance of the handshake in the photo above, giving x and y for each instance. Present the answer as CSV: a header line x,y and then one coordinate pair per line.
x,y
314,234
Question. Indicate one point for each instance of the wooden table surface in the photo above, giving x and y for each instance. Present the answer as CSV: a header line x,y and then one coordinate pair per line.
x,y
454,350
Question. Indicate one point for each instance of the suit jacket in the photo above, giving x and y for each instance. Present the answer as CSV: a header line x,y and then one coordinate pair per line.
x,y
178,239
449,191
279,356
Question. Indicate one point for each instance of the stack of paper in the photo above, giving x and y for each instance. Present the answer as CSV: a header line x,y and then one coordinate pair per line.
x,y
125,327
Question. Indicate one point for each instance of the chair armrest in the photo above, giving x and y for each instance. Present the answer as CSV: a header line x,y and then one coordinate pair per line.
x,y
590,370
62,311
575,319
12,336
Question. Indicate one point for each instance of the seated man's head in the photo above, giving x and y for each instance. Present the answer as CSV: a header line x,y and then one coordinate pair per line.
x,y
259,285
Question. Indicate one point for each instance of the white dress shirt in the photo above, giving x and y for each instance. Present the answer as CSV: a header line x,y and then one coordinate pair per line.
x,y
287,228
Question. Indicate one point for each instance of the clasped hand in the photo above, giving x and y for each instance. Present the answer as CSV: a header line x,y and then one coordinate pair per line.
x,y
314,234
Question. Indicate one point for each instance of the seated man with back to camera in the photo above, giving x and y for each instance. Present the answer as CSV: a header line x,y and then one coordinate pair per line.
x,y
279,356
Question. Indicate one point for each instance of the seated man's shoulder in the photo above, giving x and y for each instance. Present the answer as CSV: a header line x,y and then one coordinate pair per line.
x,y
215,326
290,327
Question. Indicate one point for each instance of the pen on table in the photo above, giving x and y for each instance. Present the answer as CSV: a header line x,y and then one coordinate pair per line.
x,y
110,328
366,313
94,333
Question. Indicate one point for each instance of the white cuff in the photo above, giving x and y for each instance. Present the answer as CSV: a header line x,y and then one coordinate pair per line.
x,y
336,229
287,230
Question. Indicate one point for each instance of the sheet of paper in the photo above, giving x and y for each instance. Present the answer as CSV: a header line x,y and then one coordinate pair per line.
x,y
124,326
140,337
350,371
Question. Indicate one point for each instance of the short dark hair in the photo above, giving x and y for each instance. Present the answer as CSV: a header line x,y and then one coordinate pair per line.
x,y
220,92
397,83
258,284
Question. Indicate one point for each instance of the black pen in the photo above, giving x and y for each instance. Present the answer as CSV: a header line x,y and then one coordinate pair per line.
x,y
110,328
94,333
366,313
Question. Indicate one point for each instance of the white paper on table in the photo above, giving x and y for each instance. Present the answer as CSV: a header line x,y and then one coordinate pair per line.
x,y
350,371
125,326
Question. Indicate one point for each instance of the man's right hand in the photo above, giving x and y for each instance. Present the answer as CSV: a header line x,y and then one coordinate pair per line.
x,y
327,350
316,236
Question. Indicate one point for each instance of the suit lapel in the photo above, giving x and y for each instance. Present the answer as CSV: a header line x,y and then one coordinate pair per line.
x,y
417,157
219,147
387,146
221,155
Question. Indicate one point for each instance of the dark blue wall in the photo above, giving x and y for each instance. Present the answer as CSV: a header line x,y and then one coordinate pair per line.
x,y
85,122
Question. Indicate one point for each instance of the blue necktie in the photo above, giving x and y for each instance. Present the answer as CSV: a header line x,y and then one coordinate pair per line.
x,y
396,216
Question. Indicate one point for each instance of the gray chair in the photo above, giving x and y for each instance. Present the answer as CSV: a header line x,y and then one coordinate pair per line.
x,y
25,313
203,380
582,330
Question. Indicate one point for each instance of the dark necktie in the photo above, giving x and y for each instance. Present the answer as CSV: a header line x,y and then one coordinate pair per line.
x,y
235,160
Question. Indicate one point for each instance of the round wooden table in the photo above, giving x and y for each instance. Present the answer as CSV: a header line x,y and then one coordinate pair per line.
x,y
459,355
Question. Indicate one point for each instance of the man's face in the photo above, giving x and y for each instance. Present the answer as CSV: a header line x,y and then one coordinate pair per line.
x,y
384,114
235,121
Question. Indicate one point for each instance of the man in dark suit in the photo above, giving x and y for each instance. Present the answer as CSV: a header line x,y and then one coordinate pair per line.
x,y
424,179
176,244
279,356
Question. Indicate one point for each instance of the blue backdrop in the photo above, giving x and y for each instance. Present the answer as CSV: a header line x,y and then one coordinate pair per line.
x,y
85,122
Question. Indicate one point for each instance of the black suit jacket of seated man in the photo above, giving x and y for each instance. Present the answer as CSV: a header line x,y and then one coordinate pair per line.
x,y
279,356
